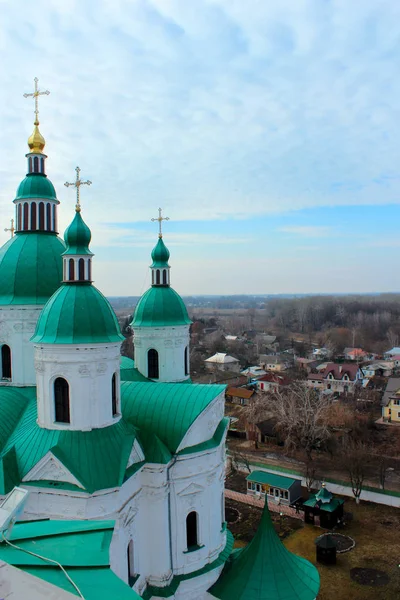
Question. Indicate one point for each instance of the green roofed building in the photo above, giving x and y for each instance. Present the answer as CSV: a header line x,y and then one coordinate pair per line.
x,y
266,570
323,507
278,488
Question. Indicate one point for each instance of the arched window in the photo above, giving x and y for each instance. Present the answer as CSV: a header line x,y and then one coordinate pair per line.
x,y
48,216
186,359
131,564
61,400
191,530
30,164
41,216
152,364
114,395
71,270
81,269
5,362
158,277
35,164
89,265
54,217
19,218
33,216
26,216
152,278
164,277
42,165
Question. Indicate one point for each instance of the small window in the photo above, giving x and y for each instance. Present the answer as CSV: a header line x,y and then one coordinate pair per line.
x,y
26,216
6,362
41,216
36,165
30,164
114,395
271,491
48,216
33,216
61,400
71,269
54,217
89,269
192,530
81,269
164,277
152,364
19,218
42,165
158,277
152,278
131,564
186,360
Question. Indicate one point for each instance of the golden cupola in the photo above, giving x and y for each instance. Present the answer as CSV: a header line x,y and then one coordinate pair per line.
x,y
36,141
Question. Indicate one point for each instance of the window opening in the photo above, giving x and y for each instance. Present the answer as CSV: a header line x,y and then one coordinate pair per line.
x,y
158,277
81,269
186,361
71,269
33,216
152,364
41,216
6,362
26,216
114,395
164,277
61,400
191,530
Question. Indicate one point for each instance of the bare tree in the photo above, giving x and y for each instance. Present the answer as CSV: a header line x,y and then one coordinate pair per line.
x,y
239,460
301,419
392,338
355,457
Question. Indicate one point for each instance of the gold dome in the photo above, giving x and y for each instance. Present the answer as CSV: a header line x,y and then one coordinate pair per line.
x,y
36,141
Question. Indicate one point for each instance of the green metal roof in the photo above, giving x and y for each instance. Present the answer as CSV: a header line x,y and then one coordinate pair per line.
x,y
266,570
77,314
160,254
324,494
97,458
77,237
160,306
129,372
329,506
30,268
166,410
271,479
36,185
82,547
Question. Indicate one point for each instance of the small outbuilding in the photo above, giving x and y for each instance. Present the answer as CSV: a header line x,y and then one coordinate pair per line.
x,y
281,489
326,550
323,506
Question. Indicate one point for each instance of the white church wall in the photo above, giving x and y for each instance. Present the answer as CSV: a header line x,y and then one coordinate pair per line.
x,y
88,371
205,425
17,325
170,343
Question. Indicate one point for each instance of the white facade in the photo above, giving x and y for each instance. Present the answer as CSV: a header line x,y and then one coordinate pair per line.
x,y
172,345
89,371
17,325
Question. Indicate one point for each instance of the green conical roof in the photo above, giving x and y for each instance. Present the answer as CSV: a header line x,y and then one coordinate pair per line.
x,y
266,570
30,268
324,495
160,306
160,254
77,314
36,185
77,236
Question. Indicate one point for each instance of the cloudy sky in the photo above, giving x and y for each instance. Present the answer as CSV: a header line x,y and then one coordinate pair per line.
x,y
268,131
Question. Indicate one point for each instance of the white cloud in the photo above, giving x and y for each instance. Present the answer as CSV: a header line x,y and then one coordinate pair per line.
x,y
307,230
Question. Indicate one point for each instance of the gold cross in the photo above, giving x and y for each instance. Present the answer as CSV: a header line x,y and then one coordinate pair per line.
x,y
35,95
12,228
77,183
160,219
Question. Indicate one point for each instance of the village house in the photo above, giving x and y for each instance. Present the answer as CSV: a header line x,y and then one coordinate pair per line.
x,y
263,432
357,354
222,362
340,378
271,382
390,353
383,368
321,353
391,401
272,362
281,489
254,372
239,395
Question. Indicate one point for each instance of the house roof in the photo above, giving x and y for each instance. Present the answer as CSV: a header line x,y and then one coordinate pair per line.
x,y
272,358
279,481
82,547
340,370
239,392
395,350
315,376
221,358
275,378
393,385
266,570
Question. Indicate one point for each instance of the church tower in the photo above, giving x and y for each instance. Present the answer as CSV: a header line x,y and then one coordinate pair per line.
x,y
161,324
30,263
77,344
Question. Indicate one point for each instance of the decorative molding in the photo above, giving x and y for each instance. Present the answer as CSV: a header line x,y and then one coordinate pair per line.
x,y
84,370
49,468
39,366
102,368
191,489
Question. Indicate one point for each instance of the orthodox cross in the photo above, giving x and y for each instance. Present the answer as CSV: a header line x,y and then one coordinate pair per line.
x,y
77,184
160,219
12,228
36,95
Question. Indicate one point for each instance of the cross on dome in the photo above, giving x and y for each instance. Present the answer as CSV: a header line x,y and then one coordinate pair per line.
x,y
11,229
160,219
35,95
77,184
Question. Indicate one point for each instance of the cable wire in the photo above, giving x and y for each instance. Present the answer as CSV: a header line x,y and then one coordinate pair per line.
x,y
50,560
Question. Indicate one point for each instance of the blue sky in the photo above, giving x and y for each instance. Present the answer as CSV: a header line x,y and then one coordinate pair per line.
x,y
268,131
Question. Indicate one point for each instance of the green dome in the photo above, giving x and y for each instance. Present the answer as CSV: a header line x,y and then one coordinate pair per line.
x,y
77,236
160,254
160,306
30,268
36,186
77,314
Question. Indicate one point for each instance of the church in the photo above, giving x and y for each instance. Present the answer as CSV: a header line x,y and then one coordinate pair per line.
x,y
124,460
